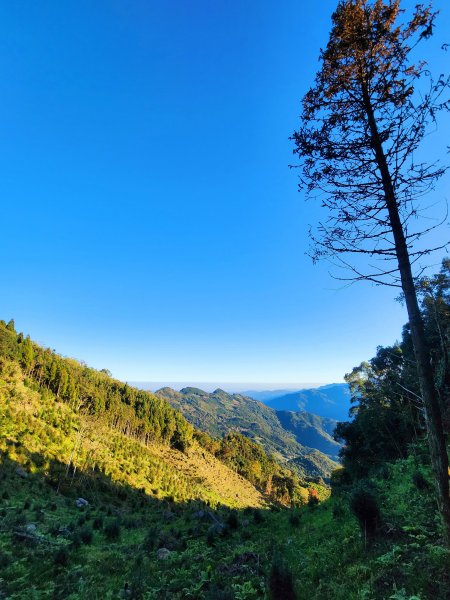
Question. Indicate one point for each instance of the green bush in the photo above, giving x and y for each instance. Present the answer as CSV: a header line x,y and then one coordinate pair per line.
x,y
61,556
232,520
86,535
281,581
294,519
364,506
112,530
258,516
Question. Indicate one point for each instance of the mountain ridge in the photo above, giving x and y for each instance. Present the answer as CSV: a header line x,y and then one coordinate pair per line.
x,y
332,401
220,412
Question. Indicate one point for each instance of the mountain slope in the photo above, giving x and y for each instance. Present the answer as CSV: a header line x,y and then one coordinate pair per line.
x,y
329,401
311,430
219,412
141,425
37,424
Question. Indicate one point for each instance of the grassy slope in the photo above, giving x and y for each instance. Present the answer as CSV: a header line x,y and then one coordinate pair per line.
x,y
49,548
219,412
39,424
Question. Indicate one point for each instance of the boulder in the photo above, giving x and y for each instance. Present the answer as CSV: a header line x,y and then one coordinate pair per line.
x,y
163,554
81,503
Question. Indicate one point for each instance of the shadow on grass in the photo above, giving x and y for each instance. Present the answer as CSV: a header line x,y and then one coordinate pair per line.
x,y
67,533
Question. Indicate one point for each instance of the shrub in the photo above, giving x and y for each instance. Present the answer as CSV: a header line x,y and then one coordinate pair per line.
x,y
112,530
219,593
338,511
419,481
150,539
5,559
86,535
211,537
313,498
76,539
61,556
294,519
19,519
246,535
364,506
232,520
258,516
281,581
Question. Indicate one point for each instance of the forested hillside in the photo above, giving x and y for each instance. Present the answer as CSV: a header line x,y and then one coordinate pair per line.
x,y
286,438
311,430
141,417
90,508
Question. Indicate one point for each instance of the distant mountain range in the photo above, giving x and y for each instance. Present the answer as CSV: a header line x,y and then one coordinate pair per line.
x,y
300,440
329,401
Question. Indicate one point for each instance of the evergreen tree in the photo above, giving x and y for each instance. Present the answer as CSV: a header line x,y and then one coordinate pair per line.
x,y
27,354
361,126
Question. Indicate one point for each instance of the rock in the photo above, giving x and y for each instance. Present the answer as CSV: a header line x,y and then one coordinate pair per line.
x,y
163,554
21,472
28,533
81,503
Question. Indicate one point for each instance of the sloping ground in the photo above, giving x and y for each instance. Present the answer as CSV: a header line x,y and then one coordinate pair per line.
x,y
34,423
330,401
219,413
124,545
311,430
212,475
315,463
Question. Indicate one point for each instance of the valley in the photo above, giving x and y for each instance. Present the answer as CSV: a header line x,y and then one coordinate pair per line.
x,y
287,437
108,491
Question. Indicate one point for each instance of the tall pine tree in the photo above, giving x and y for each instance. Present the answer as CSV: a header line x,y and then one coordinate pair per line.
x,y
361,126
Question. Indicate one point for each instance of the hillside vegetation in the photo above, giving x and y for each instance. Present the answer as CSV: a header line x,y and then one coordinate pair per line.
x,y
68,531
311,430
89,510
144,424
286,439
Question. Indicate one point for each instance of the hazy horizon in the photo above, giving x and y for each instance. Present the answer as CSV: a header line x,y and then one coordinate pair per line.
x,y
228,386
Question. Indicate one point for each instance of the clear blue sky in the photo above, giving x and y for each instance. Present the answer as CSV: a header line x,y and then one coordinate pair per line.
x,y
150,223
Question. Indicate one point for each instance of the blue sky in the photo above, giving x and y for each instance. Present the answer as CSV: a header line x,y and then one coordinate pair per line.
x,y
150,222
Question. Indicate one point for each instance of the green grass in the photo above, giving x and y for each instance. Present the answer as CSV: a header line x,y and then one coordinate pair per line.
x,y
142,500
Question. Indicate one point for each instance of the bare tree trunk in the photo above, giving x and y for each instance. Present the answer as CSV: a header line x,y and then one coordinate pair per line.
x,y
433,417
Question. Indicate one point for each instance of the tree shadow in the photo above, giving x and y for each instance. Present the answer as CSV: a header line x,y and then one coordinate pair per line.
x,y
67,533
